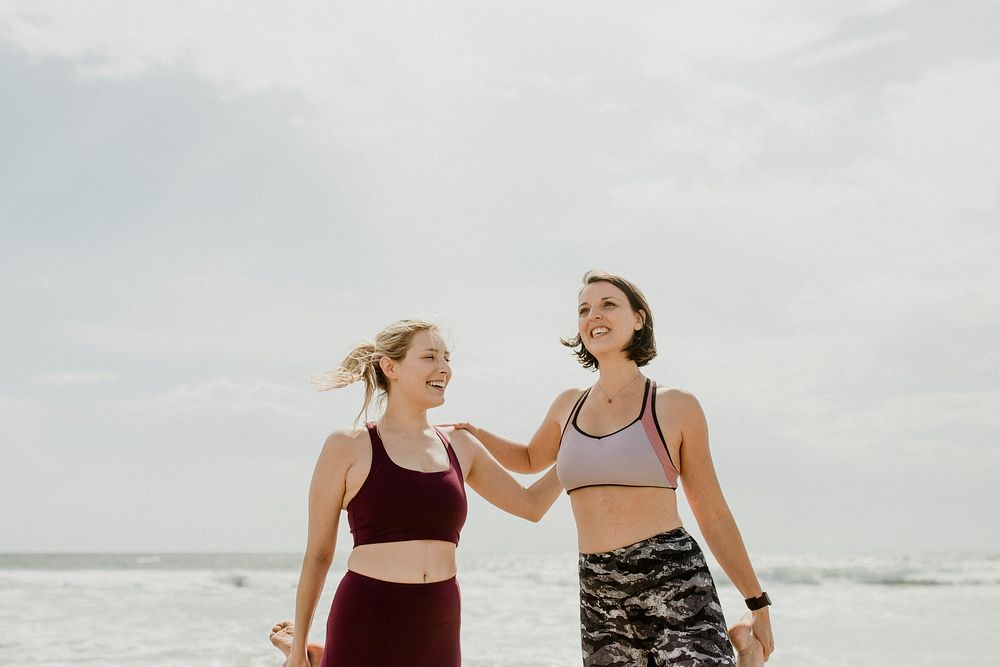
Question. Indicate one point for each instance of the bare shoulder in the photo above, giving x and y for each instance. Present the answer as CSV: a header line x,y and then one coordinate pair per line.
x,y
461,440
347,438
568,396
562,406
676,397
565,400
679,404
453,433
344,446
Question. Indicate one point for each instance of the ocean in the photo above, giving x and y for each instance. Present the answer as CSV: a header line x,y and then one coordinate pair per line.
x,y
518,610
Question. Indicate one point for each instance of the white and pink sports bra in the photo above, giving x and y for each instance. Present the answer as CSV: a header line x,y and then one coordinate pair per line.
x,y
635,455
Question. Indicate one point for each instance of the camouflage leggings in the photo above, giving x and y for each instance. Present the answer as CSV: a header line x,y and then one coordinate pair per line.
x,y
652,603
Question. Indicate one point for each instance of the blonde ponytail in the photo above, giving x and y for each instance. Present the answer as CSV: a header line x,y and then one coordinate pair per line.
x,y
362,362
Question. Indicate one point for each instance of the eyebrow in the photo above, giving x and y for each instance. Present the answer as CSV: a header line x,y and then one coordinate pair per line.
x,y
603,298
434,349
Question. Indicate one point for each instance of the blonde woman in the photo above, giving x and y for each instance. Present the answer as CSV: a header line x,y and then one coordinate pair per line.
x,y
646,594
402,483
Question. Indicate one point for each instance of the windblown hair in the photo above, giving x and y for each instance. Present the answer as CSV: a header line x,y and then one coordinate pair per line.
x,y
642,348
362,362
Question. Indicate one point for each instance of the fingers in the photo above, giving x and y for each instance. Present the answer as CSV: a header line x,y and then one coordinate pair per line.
x,y
762,633
768,644
465,426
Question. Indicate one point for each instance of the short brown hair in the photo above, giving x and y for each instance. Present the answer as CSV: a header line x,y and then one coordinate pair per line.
x,y
642,348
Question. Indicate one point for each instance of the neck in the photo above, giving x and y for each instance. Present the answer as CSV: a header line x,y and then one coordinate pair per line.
x,y
403,417
617,373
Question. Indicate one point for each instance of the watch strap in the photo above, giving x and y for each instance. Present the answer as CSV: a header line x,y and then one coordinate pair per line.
x,y
753,604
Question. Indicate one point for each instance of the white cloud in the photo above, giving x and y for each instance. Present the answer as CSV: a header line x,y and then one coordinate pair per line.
x,y
849,48
938,142
378,72
229,395
216,418
214,316
66,379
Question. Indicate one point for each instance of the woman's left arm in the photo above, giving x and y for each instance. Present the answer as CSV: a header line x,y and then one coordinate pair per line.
x,y
704,495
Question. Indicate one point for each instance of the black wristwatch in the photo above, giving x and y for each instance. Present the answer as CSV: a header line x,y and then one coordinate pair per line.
x,y
753,604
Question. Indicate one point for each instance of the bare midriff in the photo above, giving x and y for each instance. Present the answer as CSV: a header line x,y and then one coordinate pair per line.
x,y
409,562
609,517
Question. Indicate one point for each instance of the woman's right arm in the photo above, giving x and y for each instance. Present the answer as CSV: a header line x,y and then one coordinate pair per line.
x,y
541,451
326,497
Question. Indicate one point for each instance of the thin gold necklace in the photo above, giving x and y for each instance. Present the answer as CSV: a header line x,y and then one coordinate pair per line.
x,y
612,396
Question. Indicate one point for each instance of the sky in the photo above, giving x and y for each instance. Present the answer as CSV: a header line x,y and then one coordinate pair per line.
x,y
204,204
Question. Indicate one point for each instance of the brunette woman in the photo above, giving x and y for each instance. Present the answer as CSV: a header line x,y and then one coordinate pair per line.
x,y
646,594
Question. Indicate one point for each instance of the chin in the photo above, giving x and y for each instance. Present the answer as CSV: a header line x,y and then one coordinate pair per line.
x,y
602,347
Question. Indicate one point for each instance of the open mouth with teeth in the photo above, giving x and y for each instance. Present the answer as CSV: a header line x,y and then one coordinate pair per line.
x,y
597,332
437,384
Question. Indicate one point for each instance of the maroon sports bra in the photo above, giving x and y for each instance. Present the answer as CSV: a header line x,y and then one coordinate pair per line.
x,y
396,504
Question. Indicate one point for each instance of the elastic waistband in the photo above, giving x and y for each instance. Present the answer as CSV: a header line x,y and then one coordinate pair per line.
x,y
398,585
676,535
392,604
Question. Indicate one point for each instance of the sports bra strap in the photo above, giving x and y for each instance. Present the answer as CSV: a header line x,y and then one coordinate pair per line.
x,y
449,450
647,404
378,448
576,409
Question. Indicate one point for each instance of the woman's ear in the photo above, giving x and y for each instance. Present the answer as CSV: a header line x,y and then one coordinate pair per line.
x,y
641,314
388,367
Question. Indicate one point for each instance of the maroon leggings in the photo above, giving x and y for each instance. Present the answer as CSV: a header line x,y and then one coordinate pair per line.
x,y
375,623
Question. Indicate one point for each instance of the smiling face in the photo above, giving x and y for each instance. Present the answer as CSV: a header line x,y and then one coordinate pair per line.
x,y
423,373
606,319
